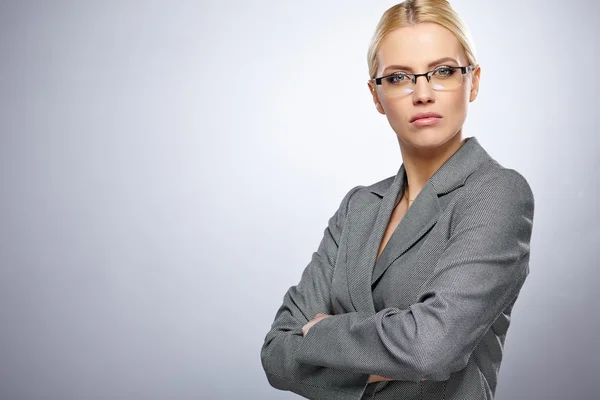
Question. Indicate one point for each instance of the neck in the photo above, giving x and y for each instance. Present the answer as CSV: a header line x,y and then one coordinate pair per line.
x,y
421,163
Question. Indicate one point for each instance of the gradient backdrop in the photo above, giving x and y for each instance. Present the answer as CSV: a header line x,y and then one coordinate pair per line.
x,y
155,165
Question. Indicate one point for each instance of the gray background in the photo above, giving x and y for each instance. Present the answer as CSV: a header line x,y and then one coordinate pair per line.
x,y
158,169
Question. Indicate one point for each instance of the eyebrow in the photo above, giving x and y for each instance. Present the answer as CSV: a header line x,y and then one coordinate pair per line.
x,y
431,64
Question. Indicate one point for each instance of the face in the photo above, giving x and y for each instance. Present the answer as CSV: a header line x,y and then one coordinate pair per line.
x,y
415,48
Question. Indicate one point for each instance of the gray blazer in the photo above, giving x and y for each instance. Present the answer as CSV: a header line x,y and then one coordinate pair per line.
x,y
435,305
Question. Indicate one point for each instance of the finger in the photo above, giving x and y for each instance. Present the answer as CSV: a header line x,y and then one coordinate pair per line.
x,y
307,327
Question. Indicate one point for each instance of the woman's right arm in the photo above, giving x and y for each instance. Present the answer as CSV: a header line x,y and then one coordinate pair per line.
x,y
300,304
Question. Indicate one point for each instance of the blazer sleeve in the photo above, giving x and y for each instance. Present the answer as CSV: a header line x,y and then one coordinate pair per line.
x,y
300,304
479,273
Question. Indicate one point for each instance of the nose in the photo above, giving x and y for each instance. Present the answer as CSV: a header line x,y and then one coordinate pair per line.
x,y
423,92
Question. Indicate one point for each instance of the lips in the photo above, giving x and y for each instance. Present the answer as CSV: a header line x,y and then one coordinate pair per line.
x,y
424,116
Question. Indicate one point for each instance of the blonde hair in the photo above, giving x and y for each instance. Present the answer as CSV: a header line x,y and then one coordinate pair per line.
x,y
412,12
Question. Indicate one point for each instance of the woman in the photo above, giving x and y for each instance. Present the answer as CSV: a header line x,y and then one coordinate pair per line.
x,y
410,292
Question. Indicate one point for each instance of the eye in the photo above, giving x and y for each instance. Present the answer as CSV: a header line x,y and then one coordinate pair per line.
x,y
397,78
444,72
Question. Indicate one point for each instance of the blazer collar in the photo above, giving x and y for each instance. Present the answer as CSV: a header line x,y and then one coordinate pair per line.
x,y
369,222
451,175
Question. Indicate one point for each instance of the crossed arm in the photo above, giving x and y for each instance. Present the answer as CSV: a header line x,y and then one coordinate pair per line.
x,y
480,272
317,318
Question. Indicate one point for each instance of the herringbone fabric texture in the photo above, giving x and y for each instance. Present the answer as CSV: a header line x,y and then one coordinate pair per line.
x,y
436,304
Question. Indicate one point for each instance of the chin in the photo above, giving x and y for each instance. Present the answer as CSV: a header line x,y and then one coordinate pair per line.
x,y
429,137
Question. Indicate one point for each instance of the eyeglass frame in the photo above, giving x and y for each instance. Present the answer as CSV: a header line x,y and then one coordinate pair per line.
x,y
463,69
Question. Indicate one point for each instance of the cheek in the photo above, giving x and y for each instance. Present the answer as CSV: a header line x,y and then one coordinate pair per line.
x,y
456,106
398,110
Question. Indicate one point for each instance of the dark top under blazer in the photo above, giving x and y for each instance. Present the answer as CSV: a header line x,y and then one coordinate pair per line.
x,y
435,305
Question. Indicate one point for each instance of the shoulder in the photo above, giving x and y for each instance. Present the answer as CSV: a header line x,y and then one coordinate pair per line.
x,y
495,195
493,179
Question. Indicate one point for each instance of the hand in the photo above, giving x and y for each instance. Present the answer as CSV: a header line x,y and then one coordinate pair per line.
x,y
313,321
377,378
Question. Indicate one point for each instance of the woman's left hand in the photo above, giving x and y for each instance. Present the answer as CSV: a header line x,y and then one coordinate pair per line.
x,y
313,321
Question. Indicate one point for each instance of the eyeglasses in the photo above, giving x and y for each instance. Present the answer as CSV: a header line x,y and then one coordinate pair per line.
x,y
440,78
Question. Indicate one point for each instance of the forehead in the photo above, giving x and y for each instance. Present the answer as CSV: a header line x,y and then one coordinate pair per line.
x,y
417,45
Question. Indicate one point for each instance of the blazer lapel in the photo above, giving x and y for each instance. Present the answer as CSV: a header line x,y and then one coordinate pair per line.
x,y
367,224
419,218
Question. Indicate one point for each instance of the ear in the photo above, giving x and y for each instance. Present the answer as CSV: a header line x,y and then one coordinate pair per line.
x,y
475,83
373,89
